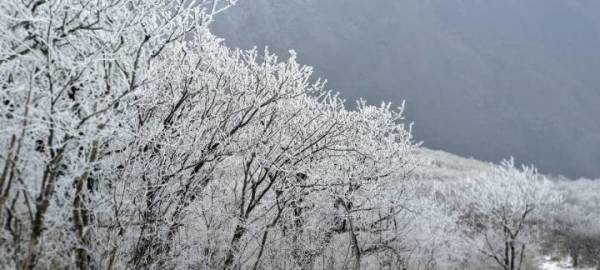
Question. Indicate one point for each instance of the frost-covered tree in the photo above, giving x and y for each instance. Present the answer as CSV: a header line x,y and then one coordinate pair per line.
x,y
77,79
573,227
349,204
132,138
499,212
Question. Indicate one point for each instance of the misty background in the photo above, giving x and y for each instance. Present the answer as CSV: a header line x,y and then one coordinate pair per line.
x,y
487,79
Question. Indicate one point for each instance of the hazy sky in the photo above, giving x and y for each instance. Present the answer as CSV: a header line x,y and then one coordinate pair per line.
x,y
484,78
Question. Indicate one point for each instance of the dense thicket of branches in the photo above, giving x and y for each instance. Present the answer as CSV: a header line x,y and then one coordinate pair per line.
x,y
132,138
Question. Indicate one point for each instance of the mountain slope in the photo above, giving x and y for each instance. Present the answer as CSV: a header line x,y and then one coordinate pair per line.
x,y
489,79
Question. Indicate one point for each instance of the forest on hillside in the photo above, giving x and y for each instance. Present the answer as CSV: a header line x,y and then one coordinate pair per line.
x,y
131,137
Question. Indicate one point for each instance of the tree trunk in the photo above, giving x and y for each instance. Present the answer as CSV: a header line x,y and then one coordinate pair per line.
x,y
234,246
575,256
353,242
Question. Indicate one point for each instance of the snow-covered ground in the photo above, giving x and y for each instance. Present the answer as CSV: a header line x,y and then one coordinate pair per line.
x,y
564,264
